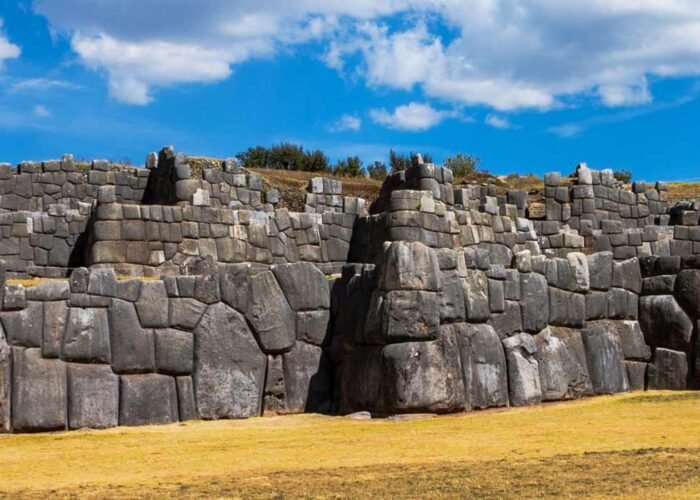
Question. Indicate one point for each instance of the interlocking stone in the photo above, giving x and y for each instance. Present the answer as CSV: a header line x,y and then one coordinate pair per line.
x,y
93,397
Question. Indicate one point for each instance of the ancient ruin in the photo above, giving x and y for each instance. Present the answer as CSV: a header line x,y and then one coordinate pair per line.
x,y
175,294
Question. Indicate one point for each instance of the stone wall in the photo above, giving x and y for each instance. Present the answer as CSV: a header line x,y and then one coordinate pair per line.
x,y
189,294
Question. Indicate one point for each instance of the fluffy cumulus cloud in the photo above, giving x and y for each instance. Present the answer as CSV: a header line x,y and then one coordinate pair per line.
x,y
8,50
412,117
504,54
347,123
497,121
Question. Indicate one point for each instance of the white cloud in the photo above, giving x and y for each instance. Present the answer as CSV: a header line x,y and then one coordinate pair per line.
x,y
41,84
497,121
504,54
8,50
347,122
412,117
41,111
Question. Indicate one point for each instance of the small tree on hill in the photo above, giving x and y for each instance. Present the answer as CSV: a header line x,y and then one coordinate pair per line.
x,y
624,176
349,167
462,165
377,170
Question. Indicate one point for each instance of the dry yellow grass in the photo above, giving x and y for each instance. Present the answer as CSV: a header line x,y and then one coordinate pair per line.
x,y
644,444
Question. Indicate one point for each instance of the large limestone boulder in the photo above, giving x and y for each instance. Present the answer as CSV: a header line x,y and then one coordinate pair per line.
x,y
55,318
147,399
307,379
605,357
476,296
410,315
523,370
152,306
422,376
268,311
133,347
483,363
687,291
5,382
38,392
229,368
534,304
410,266
361,380
305,287
93,397
86,339
632,339
667,370
24,328
562,364
664,323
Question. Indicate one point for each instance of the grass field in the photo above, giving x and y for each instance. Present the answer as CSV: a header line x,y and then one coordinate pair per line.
x,y
645,444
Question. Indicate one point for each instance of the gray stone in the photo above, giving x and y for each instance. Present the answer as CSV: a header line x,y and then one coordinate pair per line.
x,y
566,308
14,297
152,306
24,328
523,370
664,323
596,305
687,291
667,370
627,275
312,326
410,266
452,304
174,351
509,321
535,302
562,364
133,347
307,379
234,285
580,278
55,316
5,383
185,398
147,399
49,291
304,286
632,339
659,285
410,315
93,397
605,358
422,376
86,339
38,392
206,288
636,374
476,297
600,270
185,313
229,369
269,314
483,364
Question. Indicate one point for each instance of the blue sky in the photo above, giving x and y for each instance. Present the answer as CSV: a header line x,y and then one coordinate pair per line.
x,y
526,86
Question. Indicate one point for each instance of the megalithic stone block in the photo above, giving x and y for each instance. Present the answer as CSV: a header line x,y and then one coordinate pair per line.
x,y
38,392
86,338
5,383
562,364
304,286
307,379
269,314
410,266
229,368
523,370
605,357
133,347
93,397
667,370
147,399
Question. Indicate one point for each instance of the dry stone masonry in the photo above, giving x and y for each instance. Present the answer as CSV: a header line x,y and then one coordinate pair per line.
x,y
171,293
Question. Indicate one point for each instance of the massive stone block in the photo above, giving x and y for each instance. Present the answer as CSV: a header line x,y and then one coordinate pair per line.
x,y
304,286
272,319
605,358
664,323
687,291
600,270
5,383
133,347
233,280
55,316
410,266
93,397
229,369
147,399
152,306
422,376
452,305
24,328
523,370
185,313
86,339
535,302
476,296
312,326
566,308
174,351
185,398
38,392
483,363
562,364
667,370
636,374
410,315
361,380
632,340
307,379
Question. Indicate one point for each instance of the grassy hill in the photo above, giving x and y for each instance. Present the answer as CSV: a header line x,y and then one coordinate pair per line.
x,y
633,445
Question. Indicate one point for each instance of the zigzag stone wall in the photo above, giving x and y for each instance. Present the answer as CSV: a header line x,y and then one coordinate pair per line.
x,y
191,296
